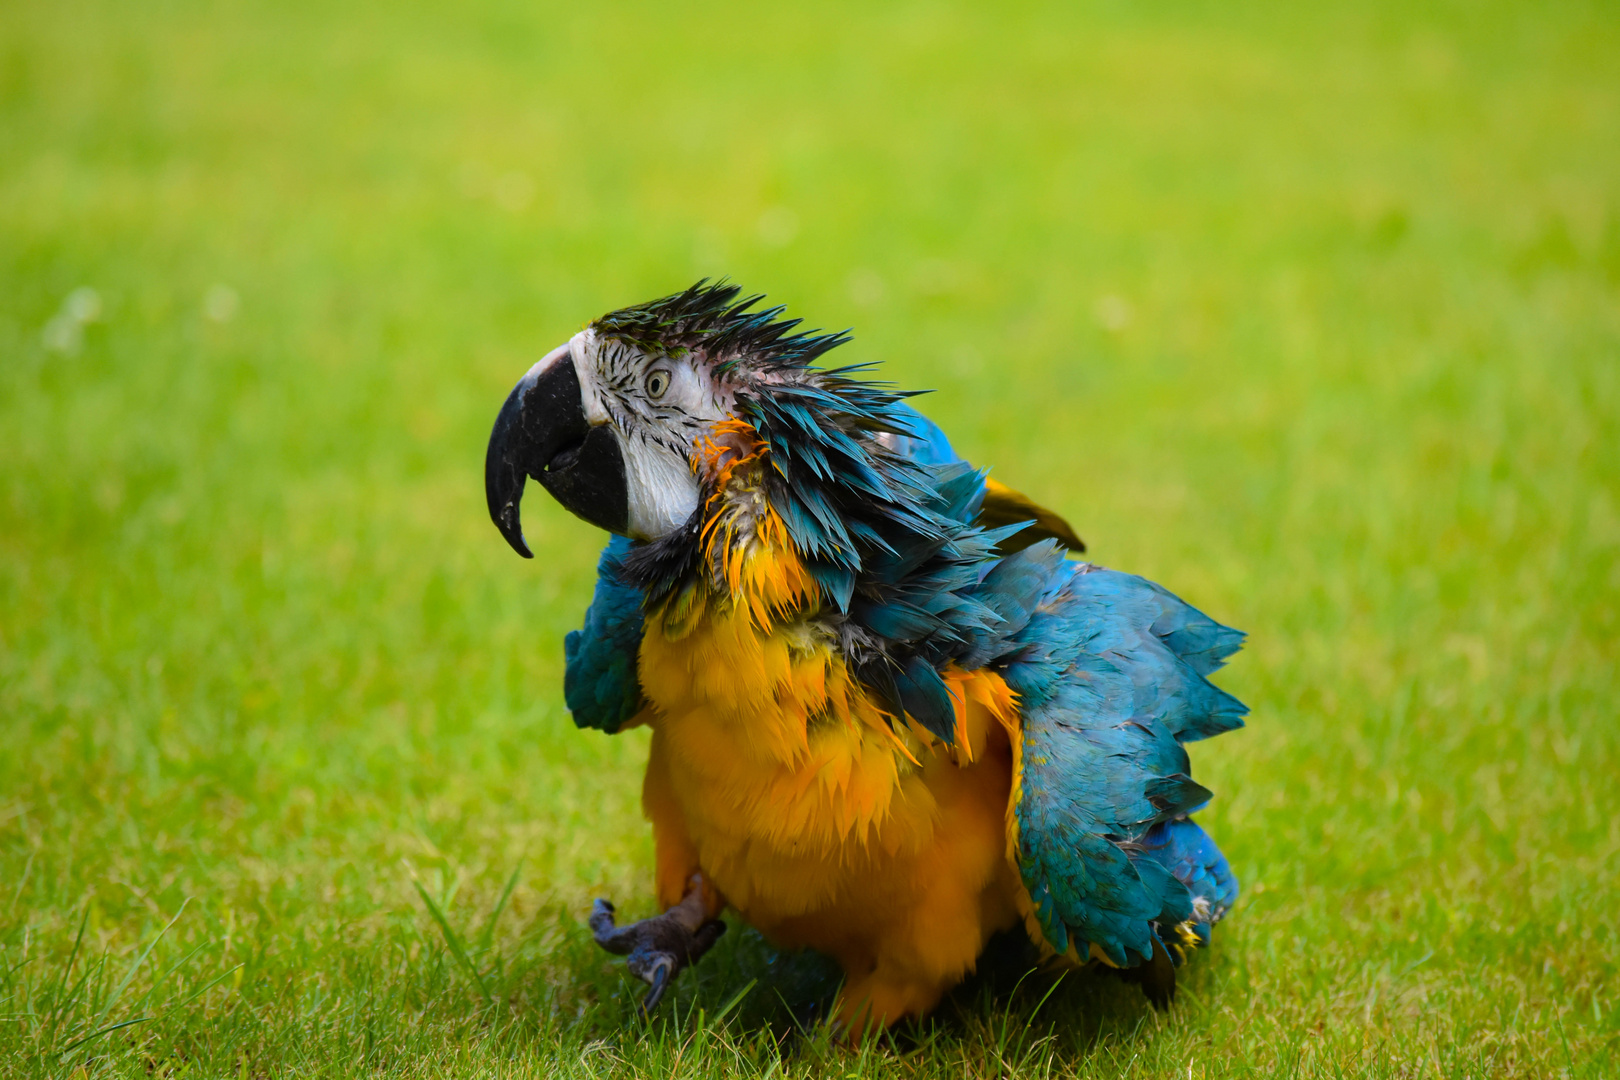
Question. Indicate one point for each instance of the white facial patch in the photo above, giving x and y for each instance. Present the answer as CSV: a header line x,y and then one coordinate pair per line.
x,y
656,434
663,493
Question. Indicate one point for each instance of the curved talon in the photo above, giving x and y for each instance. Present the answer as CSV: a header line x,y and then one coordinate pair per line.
x,y
658,948
659,981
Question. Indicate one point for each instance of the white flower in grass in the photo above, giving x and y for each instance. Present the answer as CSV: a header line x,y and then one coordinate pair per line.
x,y
221,302
83,305
1114,312
64,333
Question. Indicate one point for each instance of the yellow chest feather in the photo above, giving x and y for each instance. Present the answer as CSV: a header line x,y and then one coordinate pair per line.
x,y
796,790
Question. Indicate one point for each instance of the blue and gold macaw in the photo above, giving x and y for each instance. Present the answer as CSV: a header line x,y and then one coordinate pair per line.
x,y
889,717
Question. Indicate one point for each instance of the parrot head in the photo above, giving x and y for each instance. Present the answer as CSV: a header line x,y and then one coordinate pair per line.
x,y
614,422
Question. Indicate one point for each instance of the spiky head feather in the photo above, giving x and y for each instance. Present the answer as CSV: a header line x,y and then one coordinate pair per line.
x,y
708,318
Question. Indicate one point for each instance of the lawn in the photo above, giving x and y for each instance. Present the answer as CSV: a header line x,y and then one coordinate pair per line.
x,y
1311,314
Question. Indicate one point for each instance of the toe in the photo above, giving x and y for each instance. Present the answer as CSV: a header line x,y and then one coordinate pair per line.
x,y
608,934
706,936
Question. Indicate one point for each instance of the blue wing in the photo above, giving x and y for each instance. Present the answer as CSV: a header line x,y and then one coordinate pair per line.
x,y
599,681
1110,672
927,443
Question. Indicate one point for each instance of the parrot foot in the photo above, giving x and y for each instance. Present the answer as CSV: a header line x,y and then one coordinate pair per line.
x,y
661,947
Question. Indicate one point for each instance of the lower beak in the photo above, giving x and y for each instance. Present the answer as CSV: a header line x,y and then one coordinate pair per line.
x,y
542,432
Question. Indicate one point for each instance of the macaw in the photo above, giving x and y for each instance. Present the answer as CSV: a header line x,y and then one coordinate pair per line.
x,y
889,716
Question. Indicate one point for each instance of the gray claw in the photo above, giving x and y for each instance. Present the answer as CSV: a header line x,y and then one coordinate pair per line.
x,y
658,978
658,948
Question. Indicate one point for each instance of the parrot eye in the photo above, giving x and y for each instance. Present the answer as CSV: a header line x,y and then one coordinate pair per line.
x,y
657,383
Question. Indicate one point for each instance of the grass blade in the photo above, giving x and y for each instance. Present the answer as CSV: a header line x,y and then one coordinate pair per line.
x,y
129,975
76,1043
215,981
453,941
736,999
488,936
59,1007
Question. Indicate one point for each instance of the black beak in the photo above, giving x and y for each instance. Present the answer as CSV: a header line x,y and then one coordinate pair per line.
x,y
542,432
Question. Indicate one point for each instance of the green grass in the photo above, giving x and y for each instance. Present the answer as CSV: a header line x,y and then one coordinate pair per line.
x,y
1312,315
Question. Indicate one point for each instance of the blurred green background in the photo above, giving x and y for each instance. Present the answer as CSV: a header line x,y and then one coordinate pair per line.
x,y
1310,312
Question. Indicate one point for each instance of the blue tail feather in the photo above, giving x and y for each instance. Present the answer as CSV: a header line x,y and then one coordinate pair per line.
x,y
1188,852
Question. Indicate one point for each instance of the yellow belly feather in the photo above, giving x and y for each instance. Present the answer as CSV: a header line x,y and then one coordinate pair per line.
x,y
821,822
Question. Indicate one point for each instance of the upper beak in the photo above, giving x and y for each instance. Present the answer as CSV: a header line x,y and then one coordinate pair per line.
x,y
542,432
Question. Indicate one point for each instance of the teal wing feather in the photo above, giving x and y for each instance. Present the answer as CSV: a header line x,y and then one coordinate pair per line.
x,y
1110,672
599,680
